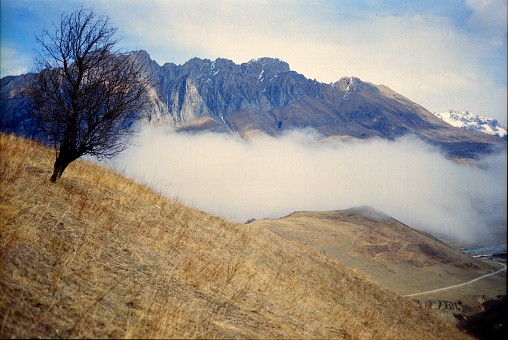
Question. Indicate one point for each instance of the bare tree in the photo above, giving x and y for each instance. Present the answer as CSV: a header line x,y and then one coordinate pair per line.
x,y
85,97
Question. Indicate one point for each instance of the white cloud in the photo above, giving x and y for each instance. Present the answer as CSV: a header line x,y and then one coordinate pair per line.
x,y
12,62
267,177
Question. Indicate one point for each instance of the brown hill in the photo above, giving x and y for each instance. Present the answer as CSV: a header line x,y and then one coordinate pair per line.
x,y
392,254
97,255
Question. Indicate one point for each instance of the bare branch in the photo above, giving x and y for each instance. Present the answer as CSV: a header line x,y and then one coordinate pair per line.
x,y
86,97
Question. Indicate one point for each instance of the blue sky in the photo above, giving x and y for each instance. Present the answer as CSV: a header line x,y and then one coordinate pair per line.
x,y
442,54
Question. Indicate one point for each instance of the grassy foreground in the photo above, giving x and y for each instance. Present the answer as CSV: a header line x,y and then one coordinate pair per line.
x,y
97,255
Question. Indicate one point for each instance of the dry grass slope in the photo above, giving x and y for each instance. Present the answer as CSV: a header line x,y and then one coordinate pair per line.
x,y
97,255
385,250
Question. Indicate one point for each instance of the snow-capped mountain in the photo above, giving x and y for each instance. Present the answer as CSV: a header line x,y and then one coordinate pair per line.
x,y
469,121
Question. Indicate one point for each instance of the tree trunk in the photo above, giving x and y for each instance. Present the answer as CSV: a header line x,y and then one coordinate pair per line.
x,y
61,163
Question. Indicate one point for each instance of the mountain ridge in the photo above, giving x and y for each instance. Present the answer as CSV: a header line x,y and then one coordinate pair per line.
x,y
265,96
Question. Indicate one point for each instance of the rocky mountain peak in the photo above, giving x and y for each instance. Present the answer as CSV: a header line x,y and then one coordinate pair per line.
x,y
354,84
265,96
268,65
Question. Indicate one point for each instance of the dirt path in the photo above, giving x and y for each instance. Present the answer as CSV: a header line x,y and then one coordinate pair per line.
x,y
352,243
462,284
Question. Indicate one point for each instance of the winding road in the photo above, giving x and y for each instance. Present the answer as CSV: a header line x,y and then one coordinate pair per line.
x,y
462,284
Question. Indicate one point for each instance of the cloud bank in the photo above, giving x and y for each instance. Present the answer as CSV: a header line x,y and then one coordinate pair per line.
x,y
272,177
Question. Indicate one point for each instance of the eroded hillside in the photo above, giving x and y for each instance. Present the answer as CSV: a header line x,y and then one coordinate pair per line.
x,y
99,256
386,250
394,255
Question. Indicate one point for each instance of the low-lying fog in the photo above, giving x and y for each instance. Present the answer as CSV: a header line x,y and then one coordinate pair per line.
x,y
272,177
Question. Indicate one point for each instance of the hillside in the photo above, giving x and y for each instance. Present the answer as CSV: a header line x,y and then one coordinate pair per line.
x,y
391,253
97,255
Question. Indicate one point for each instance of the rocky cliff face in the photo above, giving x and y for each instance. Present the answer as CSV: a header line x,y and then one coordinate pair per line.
x,y
13,107
221,88
265,96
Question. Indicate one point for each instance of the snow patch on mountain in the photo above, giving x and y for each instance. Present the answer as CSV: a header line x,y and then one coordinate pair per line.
x,y
468,121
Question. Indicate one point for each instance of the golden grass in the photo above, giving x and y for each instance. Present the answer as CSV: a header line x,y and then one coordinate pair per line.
x,y
97,255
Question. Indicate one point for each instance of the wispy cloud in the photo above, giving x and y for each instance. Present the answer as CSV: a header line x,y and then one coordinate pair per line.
x,y
267,177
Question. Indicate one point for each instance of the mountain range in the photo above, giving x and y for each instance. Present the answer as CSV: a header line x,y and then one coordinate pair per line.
x,y
469,121
264,96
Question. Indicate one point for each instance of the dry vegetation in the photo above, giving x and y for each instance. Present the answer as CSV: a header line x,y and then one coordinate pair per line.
x,y
387,251
97,255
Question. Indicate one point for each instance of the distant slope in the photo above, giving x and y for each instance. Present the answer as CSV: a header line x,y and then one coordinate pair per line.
x,y
99,256
264,96
387,251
